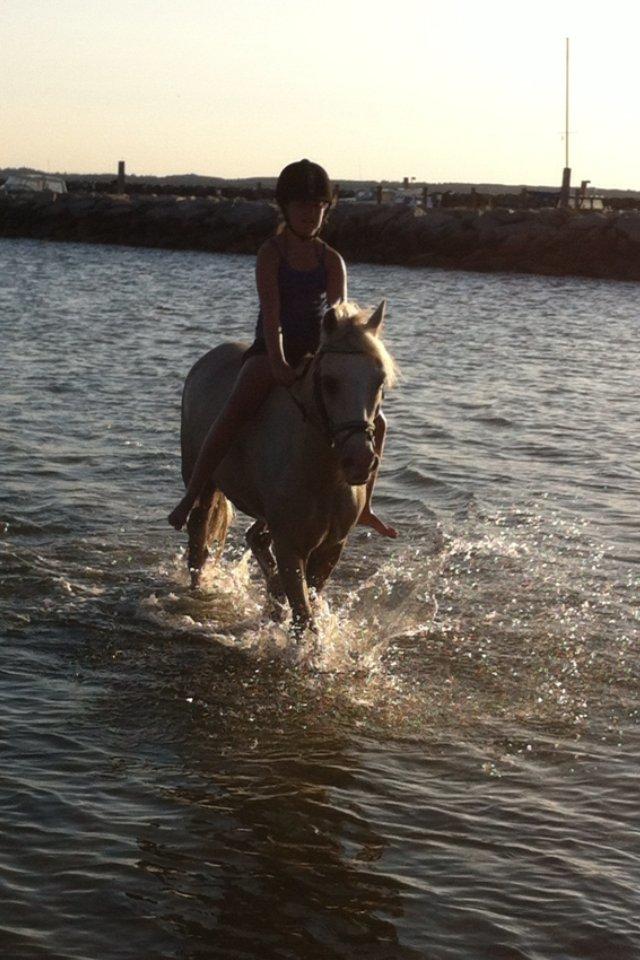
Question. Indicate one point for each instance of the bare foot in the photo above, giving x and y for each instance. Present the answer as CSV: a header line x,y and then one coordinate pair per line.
x,y
178,517
369,519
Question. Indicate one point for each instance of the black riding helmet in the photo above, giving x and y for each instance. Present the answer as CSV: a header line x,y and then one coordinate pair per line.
x,y
303,180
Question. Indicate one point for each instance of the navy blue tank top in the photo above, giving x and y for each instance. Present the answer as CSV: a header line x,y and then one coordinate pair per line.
x,y
303,302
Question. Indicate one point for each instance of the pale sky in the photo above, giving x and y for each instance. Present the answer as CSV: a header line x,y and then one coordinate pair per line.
x,y
457,90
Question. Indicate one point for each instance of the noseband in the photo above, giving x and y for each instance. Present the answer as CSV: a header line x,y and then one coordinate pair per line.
x,y
333,431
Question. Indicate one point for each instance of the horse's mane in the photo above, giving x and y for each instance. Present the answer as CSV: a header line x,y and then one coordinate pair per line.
x,y
350,333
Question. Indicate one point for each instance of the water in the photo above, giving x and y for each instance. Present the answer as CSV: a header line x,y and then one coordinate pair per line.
x,y
455,776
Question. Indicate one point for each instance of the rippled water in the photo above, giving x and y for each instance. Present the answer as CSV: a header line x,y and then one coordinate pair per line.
x,y
455,776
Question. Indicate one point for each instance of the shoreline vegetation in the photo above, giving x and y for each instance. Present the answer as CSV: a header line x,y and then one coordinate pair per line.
x,y
547,241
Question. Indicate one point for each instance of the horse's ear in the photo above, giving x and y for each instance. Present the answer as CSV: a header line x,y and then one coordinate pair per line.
x,y
374,323
330,320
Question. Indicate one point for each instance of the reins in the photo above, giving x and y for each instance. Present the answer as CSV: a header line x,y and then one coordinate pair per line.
x,y
331,430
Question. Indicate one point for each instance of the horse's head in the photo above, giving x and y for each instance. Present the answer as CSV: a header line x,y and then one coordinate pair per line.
x,y
350,371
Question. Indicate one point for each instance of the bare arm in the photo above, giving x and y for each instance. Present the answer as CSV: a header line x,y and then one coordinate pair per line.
x,y
269,295
336,277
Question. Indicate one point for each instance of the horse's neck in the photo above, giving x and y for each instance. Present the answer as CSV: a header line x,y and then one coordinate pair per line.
x,y
312,484
316,449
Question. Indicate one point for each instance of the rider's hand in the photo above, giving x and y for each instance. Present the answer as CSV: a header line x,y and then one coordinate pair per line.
x,y
283,373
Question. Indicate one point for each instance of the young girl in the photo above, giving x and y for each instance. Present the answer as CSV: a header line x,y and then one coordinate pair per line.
x,y
298,276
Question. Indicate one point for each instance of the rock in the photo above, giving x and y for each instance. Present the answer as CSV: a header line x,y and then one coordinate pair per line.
x,y
582,222
628,225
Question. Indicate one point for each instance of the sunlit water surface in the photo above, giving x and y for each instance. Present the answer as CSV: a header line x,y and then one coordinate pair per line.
x,y
453,774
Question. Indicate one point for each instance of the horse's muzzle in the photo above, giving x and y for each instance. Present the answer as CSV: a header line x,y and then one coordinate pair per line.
x,y
357,468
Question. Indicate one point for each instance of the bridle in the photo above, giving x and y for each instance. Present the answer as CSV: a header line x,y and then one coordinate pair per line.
x,y
332,431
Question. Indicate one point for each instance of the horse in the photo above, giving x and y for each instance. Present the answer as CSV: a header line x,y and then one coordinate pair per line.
x,y
300,468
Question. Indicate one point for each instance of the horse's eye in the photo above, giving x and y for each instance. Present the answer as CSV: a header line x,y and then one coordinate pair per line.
x,y
330,384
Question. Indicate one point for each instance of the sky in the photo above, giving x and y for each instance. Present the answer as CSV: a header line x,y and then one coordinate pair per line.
x,y
455,90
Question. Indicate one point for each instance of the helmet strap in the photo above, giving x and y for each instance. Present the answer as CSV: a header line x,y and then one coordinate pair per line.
x,y
302,236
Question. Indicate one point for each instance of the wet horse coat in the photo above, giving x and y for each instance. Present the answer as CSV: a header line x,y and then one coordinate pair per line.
x,y
301,467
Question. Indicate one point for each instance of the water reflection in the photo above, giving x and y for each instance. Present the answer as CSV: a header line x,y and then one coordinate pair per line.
x,y
269,853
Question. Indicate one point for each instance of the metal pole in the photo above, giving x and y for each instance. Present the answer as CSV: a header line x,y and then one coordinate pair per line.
x,y
566,135
565,189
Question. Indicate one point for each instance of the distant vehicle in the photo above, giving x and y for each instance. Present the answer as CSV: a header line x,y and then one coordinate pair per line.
x,y
407,198
33,183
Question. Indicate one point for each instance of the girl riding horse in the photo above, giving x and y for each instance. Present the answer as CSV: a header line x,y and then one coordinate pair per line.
x,y
298,276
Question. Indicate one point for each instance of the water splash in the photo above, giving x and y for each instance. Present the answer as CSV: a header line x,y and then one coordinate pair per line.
x,y
353,623
511,623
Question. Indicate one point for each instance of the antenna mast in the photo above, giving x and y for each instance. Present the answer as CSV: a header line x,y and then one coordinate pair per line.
x,y
565,189
566,113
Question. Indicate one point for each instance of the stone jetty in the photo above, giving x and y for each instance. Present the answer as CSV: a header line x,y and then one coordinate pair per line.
x,y
551,242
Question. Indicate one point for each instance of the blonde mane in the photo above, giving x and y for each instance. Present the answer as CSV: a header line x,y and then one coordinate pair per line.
x,y
351,333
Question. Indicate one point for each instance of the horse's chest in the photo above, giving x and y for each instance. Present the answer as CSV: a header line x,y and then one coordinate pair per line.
x,y
333,515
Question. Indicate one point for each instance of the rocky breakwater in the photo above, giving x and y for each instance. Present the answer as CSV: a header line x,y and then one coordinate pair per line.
x,y
198,223
548,241
552,242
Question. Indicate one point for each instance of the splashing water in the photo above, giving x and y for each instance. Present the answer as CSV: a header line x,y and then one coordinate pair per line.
x,y
498,627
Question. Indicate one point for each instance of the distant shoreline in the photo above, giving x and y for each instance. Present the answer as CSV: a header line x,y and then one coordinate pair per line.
x,y
550,242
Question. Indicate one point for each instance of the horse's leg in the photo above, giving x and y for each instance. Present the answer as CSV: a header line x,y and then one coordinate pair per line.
x,y
198,530
291,567
259,541
321,563
208,521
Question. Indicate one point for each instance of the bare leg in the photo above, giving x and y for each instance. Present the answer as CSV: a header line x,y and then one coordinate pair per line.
x,y
252,386
368,518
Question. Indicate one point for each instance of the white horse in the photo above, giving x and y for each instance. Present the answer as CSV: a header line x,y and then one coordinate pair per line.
x,y
300,468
